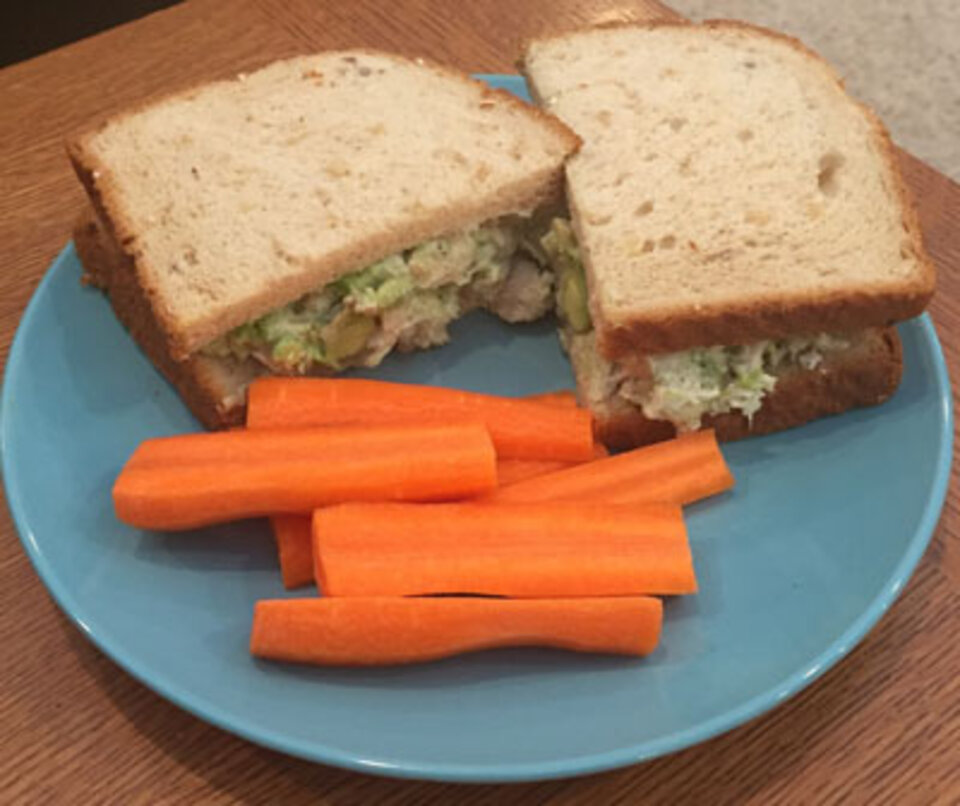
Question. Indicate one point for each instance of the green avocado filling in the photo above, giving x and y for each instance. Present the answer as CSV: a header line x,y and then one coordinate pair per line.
x,y
560,246
683,386
405,301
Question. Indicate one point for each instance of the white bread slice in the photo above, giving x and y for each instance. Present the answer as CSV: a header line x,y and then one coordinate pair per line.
x,y
239,196
214,389
728,190
864,373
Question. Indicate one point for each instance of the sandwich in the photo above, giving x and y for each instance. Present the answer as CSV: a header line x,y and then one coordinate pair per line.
x,y
739,241
315,215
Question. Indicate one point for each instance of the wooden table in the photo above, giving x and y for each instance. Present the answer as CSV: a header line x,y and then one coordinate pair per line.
x,y
883,726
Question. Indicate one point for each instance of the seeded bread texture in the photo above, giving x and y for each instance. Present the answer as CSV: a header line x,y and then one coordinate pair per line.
x,y
239,196
213,389
865,373
728,190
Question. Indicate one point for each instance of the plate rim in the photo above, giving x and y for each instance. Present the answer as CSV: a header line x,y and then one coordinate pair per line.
x,y
503,772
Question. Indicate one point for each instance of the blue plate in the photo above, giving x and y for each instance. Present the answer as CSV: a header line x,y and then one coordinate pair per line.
x,y
822,532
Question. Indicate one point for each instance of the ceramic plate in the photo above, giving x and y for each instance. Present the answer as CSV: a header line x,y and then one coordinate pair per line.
x,y
822,532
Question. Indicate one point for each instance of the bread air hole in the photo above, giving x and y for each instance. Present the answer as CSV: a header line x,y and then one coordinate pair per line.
x,y
677,123
668,242
745,135
644,209
599,220
828,178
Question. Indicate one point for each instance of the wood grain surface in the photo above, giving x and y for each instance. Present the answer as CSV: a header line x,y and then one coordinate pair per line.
x,y
881,727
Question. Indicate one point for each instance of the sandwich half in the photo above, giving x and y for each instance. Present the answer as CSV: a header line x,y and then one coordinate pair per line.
x,y
315,215
740,239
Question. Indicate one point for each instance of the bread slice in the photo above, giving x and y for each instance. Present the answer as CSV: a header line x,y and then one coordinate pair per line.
x,y
213,389
728,190
865,373
239,196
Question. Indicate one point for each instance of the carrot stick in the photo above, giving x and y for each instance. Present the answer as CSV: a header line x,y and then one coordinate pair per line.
x,y
241,445
562,397
382,631
520,550
292,533
240,474
521,429
294,548
678,471
510,471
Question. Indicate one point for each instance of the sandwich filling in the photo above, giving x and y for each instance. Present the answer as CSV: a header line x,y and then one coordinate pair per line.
x,y
405,301
681,387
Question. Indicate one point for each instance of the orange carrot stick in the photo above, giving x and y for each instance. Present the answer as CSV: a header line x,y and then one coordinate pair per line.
x,y
292,533
241,474
293,536
562,397
520,550
382,631
521,429
510,471
678,471
241,445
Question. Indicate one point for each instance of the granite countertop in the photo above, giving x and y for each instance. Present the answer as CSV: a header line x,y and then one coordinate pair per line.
x,y
902,57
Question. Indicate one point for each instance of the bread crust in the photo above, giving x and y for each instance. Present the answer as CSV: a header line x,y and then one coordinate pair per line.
x,y
183,339
760,318
847,379
212,389
754,321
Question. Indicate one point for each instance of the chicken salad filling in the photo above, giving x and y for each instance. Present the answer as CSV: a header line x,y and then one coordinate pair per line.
x,y
405,301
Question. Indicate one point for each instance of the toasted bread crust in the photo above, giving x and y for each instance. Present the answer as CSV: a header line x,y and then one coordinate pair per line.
x,y
183,339
755,319
846,380
212,392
